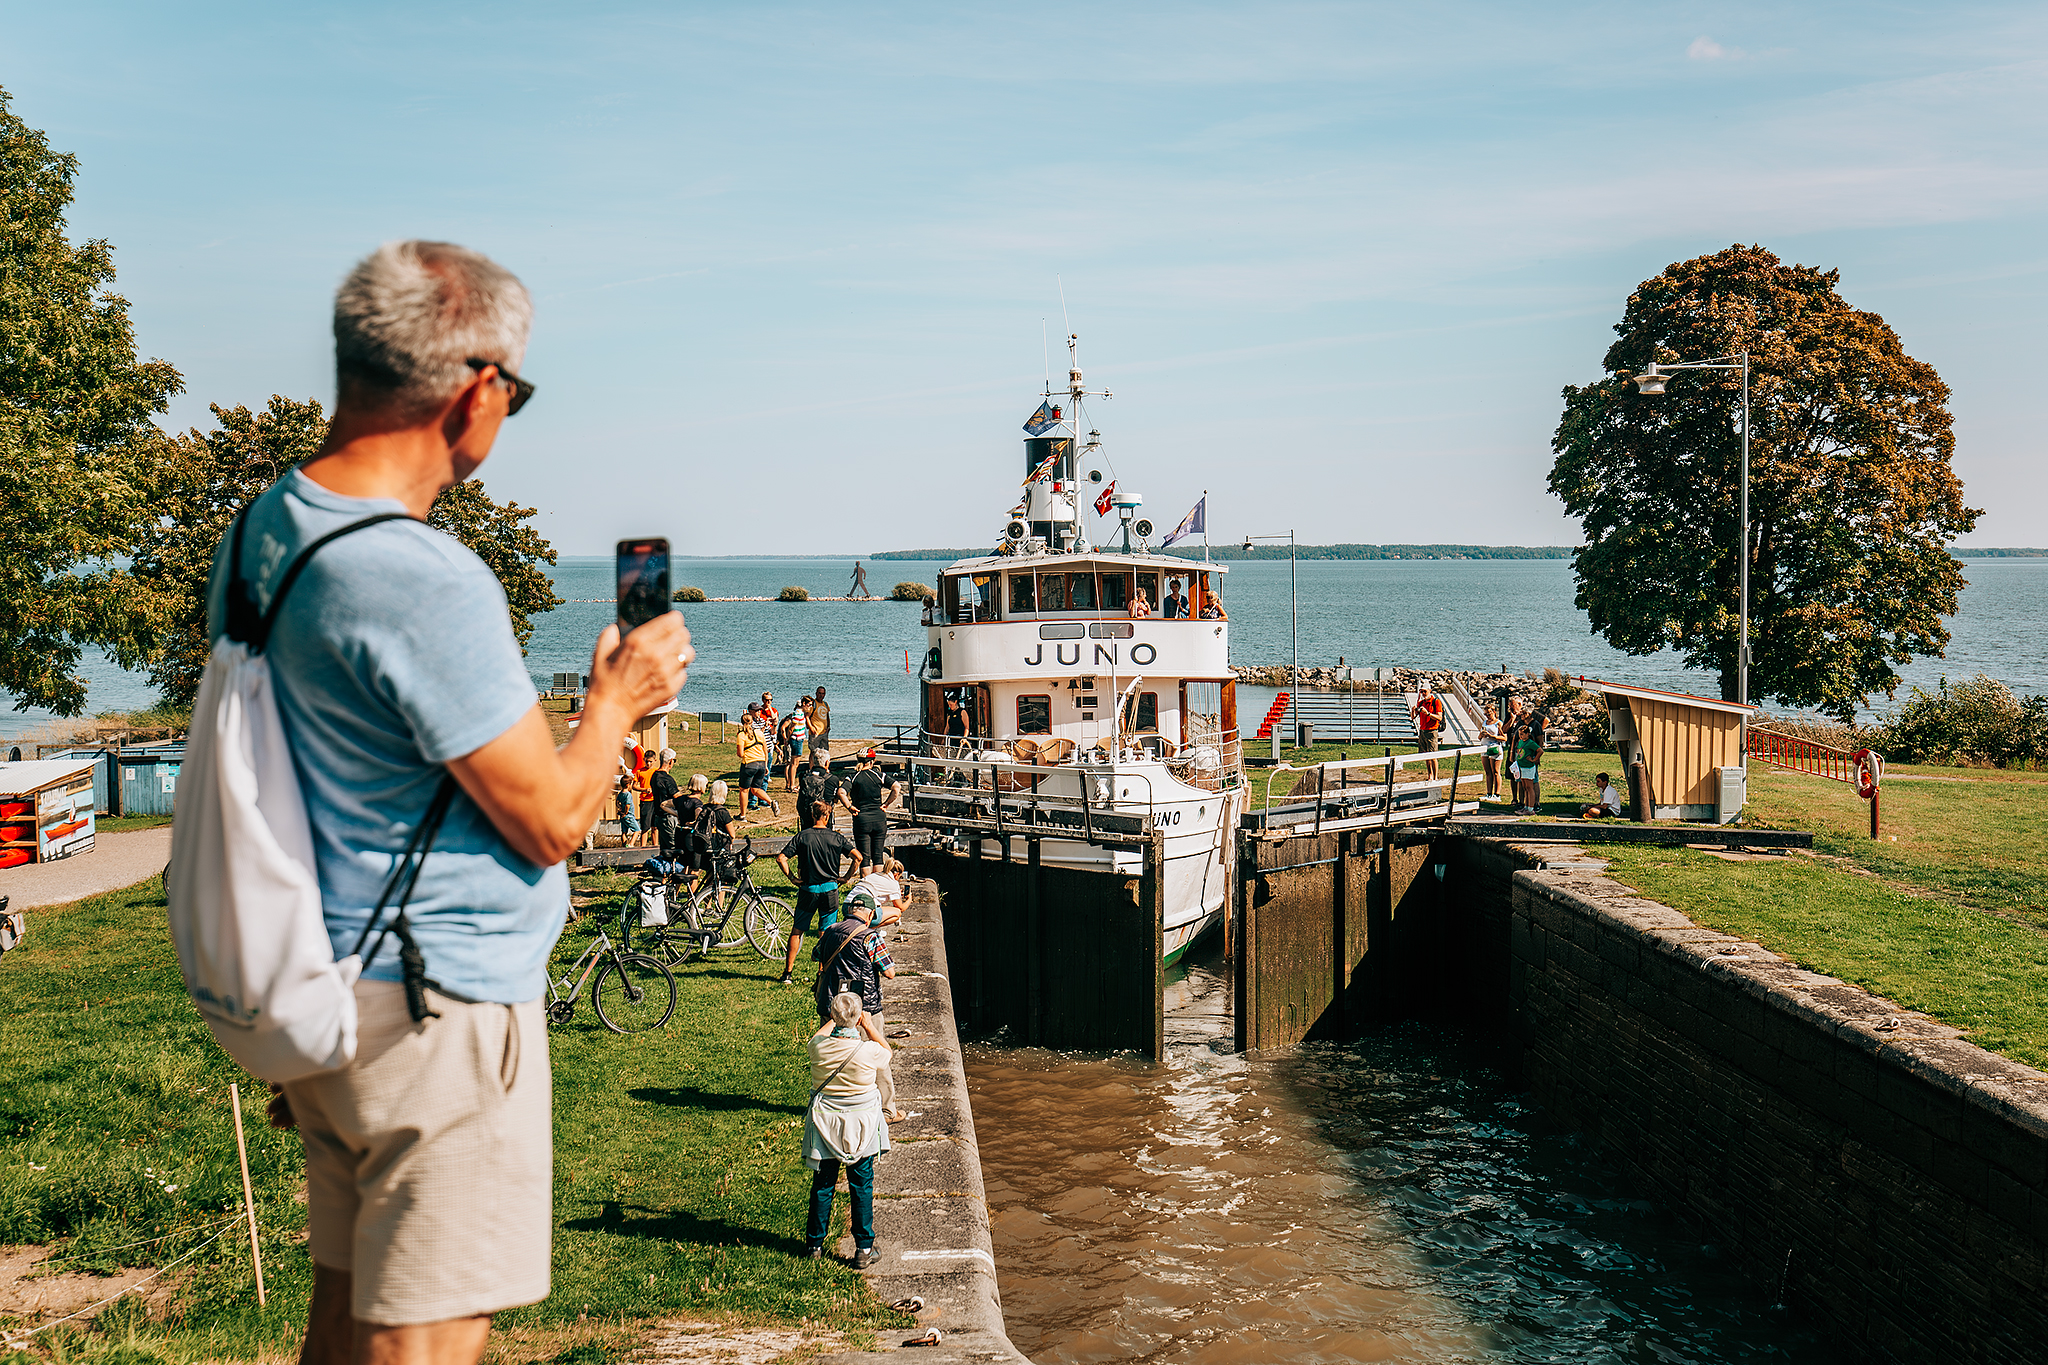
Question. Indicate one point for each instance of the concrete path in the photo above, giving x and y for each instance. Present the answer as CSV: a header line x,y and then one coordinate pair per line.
x,y
116,860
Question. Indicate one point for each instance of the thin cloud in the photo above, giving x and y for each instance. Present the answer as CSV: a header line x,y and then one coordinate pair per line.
x,y
1705,49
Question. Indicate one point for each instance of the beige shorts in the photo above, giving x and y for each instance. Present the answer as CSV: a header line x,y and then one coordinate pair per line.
x,y
430,1160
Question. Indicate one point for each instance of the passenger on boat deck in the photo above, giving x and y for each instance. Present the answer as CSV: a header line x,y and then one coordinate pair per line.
x,y
1141,606
1176,604
1212,610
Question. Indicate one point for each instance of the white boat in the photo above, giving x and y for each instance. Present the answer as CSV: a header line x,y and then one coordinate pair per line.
x,y
1085,720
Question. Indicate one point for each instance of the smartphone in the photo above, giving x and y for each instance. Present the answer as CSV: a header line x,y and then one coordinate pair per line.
x,y
643,582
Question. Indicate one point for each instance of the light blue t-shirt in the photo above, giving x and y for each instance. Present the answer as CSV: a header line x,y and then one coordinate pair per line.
x,y
394,653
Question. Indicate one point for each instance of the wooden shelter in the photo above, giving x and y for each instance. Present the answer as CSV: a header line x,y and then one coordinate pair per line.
x,y
46,810
1692,749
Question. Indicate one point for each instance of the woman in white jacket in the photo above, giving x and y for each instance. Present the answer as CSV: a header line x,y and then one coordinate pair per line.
x,y
853,1097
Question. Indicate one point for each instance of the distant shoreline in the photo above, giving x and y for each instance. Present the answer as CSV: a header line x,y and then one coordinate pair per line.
x,y
1235,553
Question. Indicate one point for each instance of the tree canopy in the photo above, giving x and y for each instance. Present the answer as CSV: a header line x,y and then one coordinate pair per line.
x,y
76,439
205,479
1852,498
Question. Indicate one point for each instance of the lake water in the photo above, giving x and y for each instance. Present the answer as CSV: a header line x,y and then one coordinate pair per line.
x,y
1472,614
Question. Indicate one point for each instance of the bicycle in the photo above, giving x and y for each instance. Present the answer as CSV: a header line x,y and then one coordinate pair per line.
x,y
632,992
685,931
708,912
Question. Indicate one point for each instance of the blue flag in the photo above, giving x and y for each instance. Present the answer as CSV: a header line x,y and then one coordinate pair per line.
x,y
1196,520
1042,421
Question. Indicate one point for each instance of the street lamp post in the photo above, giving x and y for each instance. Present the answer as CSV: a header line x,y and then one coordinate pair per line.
x,y
1651,382
1293,620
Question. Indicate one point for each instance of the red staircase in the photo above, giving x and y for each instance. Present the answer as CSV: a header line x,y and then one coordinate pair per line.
x,y
1279,709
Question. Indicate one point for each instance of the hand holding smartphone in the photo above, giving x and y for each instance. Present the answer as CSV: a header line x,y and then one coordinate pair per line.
x,y
643,582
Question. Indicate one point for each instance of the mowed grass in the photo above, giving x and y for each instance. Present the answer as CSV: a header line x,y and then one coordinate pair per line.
x,y
679,1189
1951,919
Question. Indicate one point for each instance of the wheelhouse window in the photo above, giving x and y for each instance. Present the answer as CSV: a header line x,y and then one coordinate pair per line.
x,y
1052,592
987,590
1081,591
1141,713
1023,593
1116,592
1148,584
1034,715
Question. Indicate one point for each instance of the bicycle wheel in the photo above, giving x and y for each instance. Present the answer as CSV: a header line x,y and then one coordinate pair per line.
x,y
769,925
633,993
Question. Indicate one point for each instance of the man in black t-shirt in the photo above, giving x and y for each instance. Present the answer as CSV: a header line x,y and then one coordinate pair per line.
x,y
819,851
662,787
867,796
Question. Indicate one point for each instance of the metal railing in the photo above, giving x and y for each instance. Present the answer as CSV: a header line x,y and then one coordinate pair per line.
x,y
1002,797
1798,755
1351,806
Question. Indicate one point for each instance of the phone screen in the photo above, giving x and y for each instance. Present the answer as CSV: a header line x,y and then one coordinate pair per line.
x,y
643,582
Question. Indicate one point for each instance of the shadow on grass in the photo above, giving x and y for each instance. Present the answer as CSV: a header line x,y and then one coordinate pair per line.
x,y
675,1225
761,973
690,1097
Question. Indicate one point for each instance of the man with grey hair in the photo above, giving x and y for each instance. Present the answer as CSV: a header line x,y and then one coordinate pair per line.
x,y
402,691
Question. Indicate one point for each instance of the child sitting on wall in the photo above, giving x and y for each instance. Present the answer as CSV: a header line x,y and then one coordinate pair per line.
x,y
1609,803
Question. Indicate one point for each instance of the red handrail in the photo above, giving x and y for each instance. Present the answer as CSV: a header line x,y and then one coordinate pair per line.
x,y
1794,754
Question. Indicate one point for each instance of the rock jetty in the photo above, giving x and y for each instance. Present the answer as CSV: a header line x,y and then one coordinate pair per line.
x,y
1572,711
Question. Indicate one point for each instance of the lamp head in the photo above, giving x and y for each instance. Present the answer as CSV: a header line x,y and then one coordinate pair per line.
x,y
1651,381
1247,544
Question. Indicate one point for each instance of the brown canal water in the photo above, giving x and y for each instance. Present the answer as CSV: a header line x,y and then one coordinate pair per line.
x,y
1391,1199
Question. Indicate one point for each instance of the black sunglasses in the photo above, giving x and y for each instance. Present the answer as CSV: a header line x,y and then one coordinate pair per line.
x,y
521,390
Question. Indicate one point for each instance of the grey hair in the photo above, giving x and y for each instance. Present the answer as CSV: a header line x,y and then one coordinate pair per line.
x,y
698,781
410,316
846,1008
718,791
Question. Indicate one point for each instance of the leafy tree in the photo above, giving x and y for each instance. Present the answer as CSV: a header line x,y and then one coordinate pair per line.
x,y
76,440
205,479
1852,498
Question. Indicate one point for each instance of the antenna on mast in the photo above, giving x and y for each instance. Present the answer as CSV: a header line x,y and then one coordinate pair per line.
x,y
1045,345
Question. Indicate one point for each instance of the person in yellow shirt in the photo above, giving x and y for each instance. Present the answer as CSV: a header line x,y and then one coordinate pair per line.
x,y
753,749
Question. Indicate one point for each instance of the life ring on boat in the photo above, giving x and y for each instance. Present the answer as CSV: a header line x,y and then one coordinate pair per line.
x,y
1869,772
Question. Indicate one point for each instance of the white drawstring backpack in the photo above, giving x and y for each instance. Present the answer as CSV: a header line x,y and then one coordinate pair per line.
x,y
244,894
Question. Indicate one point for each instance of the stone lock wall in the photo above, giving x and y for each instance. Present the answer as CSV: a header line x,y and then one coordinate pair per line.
x,y
1903,1169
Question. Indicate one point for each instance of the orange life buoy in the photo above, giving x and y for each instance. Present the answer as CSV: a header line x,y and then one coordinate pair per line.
x,y
1869,772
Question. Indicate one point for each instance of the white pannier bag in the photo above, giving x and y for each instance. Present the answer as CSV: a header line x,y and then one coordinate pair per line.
x,y
243,890
653,904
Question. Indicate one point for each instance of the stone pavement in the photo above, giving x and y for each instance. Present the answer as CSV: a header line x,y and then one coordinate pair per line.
x,y
116,860
931,1214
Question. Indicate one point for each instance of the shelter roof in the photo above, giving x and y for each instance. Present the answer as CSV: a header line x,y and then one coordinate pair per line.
x,y
35,774
1659,694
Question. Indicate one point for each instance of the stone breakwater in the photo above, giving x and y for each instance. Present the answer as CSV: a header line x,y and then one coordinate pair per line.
x,y
1556,695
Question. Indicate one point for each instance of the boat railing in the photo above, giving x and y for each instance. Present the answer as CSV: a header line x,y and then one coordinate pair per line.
x,y
1351,806
992,792
1219,770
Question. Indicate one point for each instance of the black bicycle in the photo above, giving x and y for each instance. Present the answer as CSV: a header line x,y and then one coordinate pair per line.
x,y
701,921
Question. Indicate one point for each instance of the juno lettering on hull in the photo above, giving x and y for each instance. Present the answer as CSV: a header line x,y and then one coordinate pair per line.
x,y
1141,653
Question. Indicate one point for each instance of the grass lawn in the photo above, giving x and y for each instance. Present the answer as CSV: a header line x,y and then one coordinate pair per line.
x,y
1946,914
120,824
678,1186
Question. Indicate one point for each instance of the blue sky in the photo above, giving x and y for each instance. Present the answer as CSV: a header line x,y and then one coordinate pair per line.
x,y
792,264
